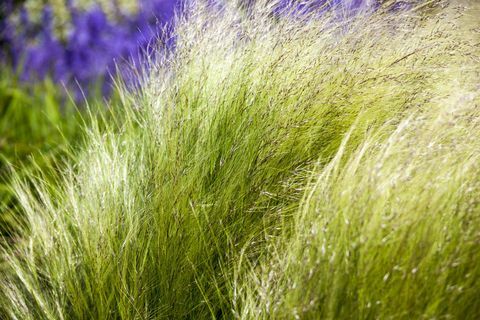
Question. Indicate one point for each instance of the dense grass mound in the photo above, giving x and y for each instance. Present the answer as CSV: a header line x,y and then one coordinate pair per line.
x,y
273,166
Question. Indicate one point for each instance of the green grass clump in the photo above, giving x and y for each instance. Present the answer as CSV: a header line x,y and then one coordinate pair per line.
x,y
269,168
37,128
390,231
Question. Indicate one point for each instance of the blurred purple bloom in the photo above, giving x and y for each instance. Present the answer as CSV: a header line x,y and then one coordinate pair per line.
x,y
92,47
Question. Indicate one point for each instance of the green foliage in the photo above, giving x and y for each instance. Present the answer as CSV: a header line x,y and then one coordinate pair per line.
x,y
390,233
269,169
35,123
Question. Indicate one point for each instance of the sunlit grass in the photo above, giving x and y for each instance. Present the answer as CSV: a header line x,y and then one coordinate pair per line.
x,y
269,168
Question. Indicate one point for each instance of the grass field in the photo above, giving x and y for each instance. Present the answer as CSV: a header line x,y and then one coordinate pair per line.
x,y
292,166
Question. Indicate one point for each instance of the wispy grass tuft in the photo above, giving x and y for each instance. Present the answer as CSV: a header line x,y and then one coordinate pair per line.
x,y
270,167
390,231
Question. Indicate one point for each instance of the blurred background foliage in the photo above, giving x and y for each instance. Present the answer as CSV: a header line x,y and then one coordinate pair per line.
x,y
37,127
61,10
81,46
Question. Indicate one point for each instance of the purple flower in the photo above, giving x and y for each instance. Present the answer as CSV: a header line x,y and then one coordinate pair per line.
x,y
92,48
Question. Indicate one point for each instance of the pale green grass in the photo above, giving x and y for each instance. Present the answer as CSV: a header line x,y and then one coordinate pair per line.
x,y
215,188
391,231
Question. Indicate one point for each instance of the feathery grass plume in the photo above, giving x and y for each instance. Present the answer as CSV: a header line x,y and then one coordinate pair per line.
x,y
213,157
389,232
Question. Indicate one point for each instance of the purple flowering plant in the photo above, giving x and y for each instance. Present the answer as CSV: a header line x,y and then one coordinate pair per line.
x,y
92,49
